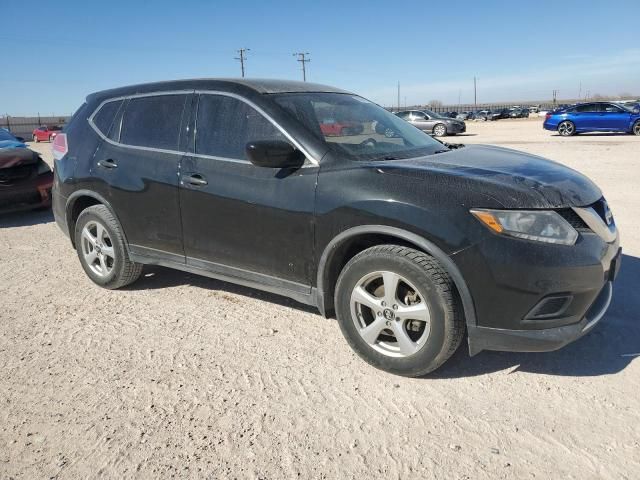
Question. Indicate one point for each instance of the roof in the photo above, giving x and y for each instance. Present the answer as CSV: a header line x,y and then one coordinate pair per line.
x,y
256,85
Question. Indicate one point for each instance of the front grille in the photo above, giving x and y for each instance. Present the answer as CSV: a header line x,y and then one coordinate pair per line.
x,y
16,174
573,219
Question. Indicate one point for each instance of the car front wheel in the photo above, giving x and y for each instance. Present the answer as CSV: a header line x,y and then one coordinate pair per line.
x,y
636,128
101,249
440,130
397,309
566,128
35,139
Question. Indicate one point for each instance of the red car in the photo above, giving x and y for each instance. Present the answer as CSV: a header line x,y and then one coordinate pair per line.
x,y
330,128
44,133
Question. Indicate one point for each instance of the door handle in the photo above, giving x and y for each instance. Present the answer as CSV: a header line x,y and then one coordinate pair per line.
x,y
196,180
108,163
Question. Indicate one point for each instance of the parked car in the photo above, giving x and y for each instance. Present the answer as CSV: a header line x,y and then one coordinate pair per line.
x,y
429,121
482,115
515,113
464,116
331,127
45,134
409,242
498,114
593,117
25,179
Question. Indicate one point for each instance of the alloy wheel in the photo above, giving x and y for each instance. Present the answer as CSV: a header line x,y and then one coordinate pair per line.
x,y
636,128
390,314
440,130
566,129
97,248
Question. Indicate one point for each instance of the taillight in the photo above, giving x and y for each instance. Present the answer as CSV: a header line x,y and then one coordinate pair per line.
x,y
60,147
547,116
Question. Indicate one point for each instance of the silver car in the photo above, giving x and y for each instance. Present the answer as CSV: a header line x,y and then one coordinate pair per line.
x,y
431,122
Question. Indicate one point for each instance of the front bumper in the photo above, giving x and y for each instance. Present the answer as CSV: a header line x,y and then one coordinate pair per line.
x,y
486,338
26,195
453,128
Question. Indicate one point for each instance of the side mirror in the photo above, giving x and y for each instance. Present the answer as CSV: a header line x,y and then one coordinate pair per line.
x,y
274,154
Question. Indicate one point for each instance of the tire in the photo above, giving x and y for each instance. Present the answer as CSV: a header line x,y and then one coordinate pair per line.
x,y
101,249
636,128
440,130
50,138
566,128
423,290
35,139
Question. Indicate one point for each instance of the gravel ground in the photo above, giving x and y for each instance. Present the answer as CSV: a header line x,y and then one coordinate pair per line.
x,y
185,376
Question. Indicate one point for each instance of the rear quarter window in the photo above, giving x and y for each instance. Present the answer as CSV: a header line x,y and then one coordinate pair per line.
x,y
103,119
153,121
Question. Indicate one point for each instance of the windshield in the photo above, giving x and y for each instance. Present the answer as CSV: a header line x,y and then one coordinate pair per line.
x,y
433,114
357,128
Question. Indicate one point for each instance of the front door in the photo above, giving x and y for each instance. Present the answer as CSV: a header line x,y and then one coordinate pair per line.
x,y
245,221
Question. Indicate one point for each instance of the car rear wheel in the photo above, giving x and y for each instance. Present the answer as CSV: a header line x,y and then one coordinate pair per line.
x,y
636,128
440,130
397,309
101,249
566,128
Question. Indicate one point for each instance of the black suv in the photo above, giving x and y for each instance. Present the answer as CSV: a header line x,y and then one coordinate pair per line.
x,y
407,240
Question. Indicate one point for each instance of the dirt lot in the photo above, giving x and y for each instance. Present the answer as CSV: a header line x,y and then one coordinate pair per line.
x,y
190,377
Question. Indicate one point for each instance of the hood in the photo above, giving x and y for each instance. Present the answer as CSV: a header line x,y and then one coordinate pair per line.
x,y
13,157
11,144
512,178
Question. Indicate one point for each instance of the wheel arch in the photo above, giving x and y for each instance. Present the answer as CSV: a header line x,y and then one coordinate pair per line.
x,y
353,240
79,201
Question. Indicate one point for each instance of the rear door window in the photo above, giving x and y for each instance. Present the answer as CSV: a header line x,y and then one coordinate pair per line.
x,y
103,119
153,121
587,107
224,126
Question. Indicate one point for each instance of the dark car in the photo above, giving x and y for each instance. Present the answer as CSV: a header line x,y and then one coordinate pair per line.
x,y
593,117
435,123
407,241
25,179
499,114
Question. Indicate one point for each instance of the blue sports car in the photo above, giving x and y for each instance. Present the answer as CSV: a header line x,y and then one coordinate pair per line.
x,y
593,117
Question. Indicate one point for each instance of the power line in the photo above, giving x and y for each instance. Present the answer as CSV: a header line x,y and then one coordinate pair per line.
x,y
242,58
303,60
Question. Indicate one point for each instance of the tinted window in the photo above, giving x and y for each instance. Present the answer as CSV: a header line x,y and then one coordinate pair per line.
x,y
588,107
153,121
225,125
419,116
104,118
611,108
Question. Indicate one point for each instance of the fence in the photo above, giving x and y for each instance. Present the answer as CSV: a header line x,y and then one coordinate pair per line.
x,y
24,126
473,108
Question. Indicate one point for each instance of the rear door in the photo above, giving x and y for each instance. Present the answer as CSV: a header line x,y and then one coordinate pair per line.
x,y
241,220
136,166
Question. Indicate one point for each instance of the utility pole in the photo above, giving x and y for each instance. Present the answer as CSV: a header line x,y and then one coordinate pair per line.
x,y
303,60
242,58
475,95
580,92
555,95
398,96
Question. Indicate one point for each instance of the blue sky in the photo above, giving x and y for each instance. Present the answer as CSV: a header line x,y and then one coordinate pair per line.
x,y
518,50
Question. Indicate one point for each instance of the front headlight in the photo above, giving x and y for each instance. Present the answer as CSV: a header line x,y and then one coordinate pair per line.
x,y
537,225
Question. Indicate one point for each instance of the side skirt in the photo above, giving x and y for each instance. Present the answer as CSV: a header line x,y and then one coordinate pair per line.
x,y
296,291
